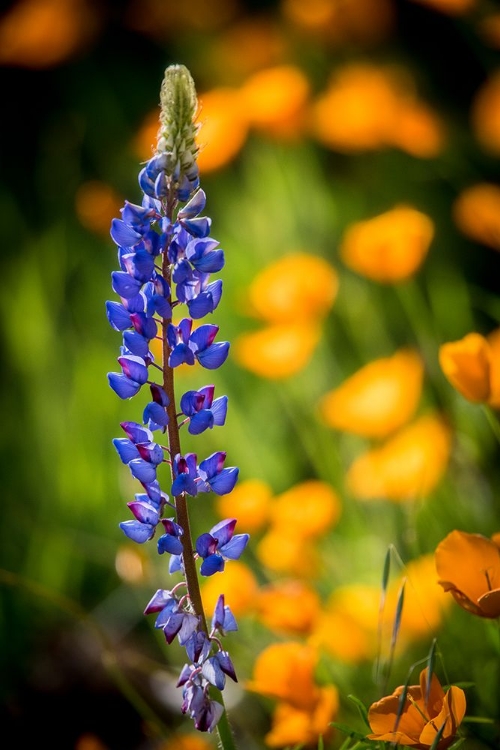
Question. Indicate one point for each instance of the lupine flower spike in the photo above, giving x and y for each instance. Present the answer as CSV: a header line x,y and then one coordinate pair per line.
x,y
166,258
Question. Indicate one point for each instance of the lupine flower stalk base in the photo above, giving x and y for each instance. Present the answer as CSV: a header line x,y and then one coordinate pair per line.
x,y
166,258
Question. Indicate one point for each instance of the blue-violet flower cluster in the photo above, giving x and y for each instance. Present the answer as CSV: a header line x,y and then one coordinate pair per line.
x,y
166,258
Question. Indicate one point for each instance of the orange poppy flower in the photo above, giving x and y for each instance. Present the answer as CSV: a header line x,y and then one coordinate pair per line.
x,y
293,726
485,114
239,586
347,628
277,351
422,717
468,566
476,212
379,398
96,204
296,287
249,502
288,607
277,551
286,671
472,366
389,247
274,100
44,33
408,465
320,509
224,128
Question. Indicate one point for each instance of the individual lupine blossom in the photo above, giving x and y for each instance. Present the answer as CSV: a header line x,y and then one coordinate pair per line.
x,y
166,259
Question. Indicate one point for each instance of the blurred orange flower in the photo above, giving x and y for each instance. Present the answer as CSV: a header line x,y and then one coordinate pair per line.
x,y
356,111
96,204
485,114
249,502
379,398
278,551
472,366
253,42
360,21
389,247
286,671
368,107
320,509
278,351
408,466
296,287
224,128
468,566
239,586
44,33
347,627
295,726
293,294
476,212
274,100
186,742
288,607
424,601
422,717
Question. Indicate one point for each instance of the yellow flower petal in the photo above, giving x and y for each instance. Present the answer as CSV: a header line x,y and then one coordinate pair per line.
x,y
378,399
476,213
292,726
224,128
390,247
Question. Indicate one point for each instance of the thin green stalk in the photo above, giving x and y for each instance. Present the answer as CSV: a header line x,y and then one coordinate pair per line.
x,y
492,421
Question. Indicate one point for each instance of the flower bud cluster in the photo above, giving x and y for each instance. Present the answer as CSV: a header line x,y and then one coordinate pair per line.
x,y
166,259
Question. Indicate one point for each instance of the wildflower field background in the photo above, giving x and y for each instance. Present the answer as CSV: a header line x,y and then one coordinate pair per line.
x,y
350,153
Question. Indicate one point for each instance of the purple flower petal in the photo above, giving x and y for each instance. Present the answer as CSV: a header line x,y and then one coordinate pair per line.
x,y
158,601
224,482
144,512
234,548
211,671
212,564
142,470
123,234
214,356
124,284
126,449
118,316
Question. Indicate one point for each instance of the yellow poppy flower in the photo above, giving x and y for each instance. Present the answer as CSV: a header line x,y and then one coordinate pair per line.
x,y
424,713
379,398
389,247
407,466
468,566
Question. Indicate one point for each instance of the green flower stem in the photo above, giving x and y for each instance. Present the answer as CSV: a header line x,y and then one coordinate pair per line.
x,y
492,421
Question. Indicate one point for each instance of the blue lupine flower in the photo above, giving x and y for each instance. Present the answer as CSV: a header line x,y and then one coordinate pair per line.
x,y
203,411
159,243
170,540
218,545
185,474
214,477
216,667
222,619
